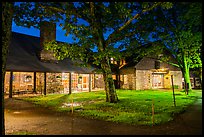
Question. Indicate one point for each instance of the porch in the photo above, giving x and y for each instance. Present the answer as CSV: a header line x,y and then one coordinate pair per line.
x,y
21,83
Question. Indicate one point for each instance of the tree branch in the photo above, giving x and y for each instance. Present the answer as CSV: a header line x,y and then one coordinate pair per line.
x,y
122,36
109,40
73,11
52,8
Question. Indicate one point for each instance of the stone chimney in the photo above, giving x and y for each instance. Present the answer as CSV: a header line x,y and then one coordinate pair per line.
x,y
47,34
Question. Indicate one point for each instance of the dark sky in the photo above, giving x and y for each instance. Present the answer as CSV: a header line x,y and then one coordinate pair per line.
x,y
35,32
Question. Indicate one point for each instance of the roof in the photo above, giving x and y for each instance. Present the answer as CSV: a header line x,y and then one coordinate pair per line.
x,y
134,59
23,56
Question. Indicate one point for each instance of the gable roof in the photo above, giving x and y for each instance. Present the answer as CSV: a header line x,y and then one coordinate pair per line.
x,y
131,62
23,56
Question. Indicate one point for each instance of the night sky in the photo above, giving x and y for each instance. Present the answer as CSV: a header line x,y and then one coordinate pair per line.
x,y
35,32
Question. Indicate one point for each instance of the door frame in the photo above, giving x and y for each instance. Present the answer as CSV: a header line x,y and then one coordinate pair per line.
x,y
159,79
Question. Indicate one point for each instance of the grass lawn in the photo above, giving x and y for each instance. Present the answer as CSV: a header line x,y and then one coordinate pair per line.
x,y
23,133
134,106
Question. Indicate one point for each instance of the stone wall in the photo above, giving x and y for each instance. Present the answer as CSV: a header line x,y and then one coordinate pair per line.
x,y
149,63
127,77
177,78
143,79
167,80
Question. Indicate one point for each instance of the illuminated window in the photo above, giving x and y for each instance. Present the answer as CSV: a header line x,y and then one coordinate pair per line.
x,y
125,79
114,77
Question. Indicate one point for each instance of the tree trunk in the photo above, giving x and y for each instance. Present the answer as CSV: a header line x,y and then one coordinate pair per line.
x,y
186,76
186,73
111,95
200,76
7,13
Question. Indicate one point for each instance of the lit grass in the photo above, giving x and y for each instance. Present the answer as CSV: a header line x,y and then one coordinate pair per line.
x,y
134,107
23,133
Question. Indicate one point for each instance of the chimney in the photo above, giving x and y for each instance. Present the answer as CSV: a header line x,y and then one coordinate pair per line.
x,y
47,34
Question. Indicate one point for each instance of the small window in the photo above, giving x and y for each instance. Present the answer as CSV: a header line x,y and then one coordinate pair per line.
x,y
125,79
157,64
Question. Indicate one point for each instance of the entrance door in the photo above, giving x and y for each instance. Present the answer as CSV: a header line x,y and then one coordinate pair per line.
x,y
85,82
158,80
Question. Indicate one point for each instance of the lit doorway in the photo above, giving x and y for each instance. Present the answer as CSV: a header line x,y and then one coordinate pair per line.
x,y
157,80
85,82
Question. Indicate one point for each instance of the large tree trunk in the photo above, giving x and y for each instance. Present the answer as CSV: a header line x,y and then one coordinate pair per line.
x,y
7,13
111,95
97,25
186,76
200,76
186,73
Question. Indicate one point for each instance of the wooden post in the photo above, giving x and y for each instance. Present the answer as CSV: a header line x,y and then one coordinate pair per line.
x,y
11,84
89,82
72,104
187,88
152,112
118,81
45,83
70,83
34,83
135,79
173,90
94,80
194,82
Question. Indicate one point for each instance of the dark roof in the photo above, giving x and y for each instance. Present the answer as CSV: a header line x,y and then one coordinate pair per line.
x,y
134,58
23,56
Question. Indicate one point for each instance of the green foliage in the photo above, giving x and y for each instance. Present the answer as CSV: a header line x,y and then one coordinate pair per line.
x,y
167,5
134,107
23,133
178,36
82,26
29,14
100,25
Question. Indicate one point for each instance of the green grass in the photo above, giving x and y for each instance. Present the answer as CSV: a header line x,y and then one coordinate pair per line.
x,y
134,106
23,133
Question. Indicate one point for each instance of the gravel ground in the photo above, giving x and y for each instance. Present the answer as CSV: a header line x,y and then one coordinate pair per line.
x,y
21,116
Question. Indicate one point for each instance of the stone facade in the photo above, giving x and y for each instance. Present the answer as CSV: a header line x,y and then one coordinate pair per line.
x,y
143,79
127,78
143,76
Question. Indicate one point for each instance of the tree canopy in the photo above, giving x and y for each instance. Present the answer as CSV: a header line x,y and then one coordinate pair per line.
x,y
107,27
178,31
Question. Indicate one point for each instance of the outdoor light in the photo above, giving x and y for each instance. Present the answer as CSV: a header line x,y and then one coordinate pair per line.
x,y
28,78
162,69
16,112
